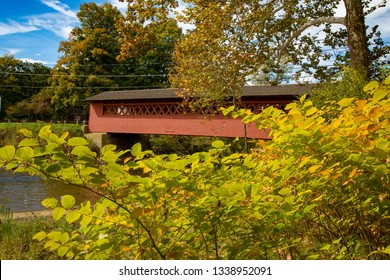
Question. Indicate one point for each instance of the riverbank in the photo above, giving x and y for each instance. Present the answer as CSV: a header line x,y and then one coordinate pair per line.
x,y
31,214
17,231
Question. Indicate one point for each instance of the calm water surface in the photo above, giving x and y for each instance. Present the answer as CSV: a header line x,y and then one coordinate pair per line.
x,y
22,192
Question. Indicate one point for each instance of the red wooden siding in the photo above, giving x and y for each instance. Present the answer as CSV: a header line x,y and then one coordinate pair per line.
x,y
163,118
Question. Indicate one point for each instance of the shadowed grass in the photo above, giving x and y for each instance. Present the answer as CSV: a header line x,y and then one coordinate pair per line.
x,y
16,237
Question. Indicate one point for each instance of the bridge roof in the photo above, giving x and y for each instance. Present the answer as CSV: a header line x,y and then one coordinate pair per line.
x,y
171,93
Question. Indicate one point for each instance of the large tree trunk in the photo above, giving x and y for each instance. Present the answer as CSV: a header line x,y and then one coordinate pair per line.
x,y
357,39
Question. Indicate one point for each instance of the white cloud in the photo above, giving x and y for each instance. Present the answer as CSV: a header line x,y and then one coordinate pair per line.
x,y
10,51
60,7
61,25
122,6
30,60
14,27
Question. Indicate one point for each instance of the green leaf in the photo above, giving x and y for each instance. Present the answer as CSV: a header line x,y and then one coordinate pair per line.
x,y
311,111
26,132
64,237
218,144
136,150
28,142
54,246
64,135
72,216
77,141
345,102
58,213
62,251
53,168
50,202
380,94
25,153
7,152
325,248
371,86
39,236
85,221
309,208
108,148
285,191
387,250
44,132
228,110
68,201
82,150
54,235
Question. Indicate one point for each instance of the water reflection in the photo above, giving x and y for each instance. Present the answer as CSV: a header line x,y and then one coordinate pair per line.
x,y
22,192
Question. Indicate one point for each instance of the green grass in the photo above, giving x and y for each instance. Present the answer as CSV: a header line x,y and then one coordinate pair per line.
x,y
16,241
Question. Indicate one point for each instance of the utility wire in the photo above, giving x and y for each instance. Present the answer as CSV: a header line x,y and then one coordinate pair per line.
x,y
83,76
100,87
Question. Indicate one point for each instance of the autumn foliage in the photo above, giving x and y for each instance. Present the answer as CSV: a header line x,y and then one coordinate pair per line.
x,y
318,190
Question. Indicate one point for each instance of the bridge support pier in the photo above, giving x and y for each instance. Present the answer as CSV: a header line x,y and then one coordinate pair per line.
x,y
100,139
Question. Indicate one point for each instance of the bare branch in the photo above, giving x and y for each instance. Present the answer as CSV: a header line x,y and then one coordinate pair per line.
x,y
317,21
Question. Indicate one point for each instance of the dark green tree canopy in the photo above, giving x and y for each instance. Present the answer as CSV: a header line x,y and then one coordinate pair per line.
x,y
92,61
20,80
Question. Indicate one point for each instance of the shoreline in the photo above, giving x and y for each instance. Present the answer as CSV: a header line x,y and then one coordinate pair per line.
x,y
31,214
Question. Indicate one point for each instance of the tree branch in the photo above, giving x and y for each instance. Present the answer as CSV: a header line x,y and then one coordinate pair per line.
x,y
317,21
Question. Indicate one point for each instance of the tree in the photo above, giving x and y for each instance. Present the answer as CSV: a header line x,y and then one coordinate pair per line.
x,y
20,81
88,57
233,38
90,62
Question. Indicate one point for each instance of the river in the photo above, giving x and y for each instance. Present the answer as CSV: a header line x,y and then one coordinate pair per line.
x,y
23,193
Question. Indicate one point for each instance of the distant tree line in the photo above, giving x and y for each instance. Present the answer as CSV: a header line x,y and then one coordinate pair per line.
x,y
92,61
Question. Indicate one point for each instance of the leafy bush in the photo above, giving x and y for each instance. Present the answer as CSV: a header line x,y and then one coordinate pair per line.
x,y
9,131
318,190
348,84
185,145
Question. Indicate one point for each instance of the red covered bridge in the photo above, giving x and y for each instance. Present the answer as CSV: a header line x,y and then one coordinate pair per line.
x,y
159,111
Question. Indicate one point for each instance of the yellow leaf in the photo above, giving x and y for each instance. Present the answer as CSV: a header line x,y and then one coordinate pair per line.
x,y
335,176
371,86
361,104
380,94
304,161
318,198
336,123
345,102
374,112
353,172
311,111
387,81
314,168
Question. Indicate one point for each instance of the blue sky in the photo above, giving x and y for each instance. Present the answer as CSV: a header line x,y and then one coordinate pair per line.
x,y
32,29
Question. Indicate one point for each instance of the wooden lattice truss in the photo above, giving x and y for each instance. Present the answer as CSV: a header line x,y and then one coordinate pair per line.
x,y
123,108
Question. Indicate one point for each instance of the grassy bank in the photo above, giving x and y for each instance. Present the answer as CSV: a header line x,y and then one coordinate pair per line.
x,y
16,237
9,132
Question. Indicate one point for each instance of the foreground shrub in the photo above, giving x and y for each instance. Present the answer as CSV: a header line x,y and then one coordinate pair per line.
x,y
318,190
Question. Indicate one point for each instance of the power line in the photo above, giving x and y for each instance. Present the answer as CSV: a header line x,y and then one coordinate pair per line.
x,y
83,76
100,87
